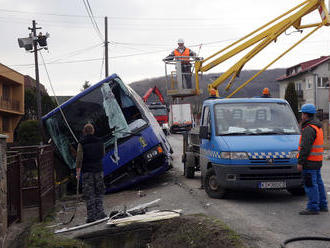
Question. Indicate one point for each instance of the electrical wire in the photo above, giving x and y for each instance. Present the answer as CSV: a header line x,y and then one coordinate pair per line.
x,y
57,103
91,17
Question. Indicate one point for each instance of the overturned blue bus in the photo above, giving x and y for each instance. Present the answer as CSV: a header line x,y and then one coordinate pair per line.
x,y
136,147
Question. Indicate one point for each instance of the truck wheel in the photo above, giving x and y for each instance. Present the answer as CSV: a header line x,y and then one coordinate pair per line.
x,y
297,191
189,166
211,185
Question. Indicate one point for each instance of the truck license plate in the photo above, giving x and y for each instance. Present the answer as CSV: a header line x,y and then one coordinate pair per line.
x,y
272,185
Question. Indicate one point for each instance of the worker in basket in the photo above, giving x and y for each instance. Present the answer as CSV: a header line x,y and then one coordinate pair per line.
x,y
183,53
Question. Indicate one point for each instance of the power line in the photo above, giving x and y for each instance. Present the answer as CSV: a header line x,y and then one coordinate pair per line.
x,y
113,17
62,113
91,17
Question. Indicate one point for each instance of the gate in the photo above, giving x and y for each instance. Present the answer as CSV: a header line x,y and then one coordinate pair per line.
x,y
38,182
14,183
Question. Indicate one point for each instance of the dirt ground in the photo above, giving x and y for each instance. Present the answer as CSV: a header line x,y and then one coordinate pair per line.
x,y
195,231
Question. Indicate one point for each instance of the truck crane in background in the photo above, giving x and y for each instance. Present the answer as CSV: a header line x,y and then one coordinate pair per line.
x,y
158,109
247,143
257,41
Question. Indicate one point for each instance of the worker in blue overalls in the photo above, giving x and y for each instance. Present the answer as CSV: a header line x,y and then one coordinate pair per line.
x,y
310,159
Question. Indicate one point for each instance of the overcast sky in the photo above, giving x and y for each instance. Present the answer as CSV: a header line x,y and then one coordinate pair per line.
x,y
141,34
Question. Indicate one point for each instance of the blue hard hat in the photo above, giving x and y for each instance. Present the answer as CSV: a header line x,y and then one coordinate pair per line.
x,y
308,108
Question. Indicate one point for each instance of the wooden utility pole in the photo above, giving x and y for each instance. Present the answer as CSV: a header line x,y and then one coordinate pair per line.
x,y
35,50
106,61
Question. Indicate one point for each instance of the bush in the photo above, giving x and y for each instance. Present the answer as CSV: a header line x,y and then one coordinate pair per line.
x,y
29,133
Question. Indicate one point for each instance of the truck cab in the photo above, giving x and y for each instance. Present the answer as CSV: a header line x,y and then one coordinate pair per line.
x,y
249,143
160,112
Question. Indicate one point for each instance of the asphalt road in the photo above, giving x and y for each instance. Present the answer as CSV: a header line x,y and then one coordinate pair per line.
x,y
262,219
265,218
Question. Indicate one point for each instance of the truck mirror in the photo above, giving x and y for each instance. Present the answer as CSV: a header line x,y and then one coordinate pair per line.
x,y
204,132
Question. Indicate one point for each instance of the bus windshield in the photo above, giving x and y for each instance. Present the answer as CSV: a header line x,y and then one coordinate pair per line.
x,y
109,107
254,119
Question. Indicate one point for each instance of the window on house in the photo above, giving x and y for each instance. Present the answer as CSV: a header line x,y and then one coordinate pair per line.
x,y
5,124
308,84
328,66
5,92
298,86
323,82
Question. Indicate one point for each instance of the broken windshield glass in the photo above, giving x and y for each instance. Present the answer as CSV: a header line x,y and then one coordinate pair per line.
x,y
108,107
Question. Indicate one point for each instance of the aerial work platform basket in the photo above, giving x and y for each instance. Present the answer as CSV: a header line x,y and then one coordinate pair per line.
x,y
180,77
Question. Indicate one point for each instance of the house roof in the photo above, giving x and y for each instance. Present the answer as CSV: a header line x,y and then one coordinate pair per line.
x,y
305,66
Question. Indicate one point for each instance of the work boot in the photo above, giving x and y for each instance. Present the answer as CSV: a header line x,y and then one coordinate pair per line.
x,y
324,209
308,212
90,220
101,216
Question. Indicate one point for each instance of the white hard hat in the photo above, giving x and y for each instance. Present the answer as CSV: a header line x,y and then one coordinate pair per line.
x,y
180,41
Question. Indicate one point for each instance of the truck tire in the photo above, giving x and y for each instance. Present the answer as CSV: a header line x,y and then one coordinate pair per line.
x,y
211,186
297,191
189,166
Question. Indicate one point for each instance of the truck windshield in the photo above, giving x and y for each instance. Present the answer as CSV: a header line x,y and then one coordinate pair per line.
x,y
254,119
158,111
109,107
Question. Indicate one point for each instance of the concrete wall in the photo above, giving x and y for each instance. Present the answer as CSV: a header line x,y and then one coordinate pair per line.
x,y
3,190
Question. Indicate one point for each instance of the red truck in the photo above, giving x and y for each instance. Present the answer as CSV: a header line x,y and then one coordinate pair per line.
x,y
158,109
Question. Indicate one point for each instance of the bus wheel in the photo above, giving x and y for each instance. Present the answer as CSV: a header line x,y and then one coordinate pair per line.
x,y
211,185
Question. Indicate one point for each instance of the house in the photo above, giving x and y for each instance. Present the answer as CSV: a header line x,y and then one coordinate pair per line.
x,y
30,83
311,79
11,100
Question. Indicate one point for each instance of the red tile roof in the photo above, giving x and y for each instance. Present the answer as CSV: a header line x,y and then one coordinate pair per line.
x,y
305,66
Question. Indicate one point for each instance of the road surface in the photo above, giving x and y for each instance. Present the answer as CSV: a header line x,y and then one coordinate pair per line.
x,y
263,219
266,217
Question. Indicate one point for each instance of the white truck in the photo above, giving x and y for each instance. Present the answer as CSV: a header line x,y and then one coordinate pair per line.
x,y
181,118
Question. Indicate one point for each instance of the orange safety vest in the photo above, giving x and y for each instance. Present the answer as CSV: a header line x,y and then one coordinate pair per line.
x,y
316,153
185,53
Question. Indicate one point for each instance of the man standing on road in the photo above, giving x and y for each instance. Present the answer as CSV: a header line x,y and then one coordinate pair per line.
x,y
183,53
310,159
89,160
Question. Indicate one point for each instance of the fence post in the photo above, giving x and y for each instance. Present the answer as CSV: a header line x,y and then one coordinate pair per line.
x,y
3,191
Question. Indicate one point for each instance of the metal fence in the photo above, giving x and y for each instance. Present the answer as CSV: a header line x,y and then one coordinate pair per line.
x,y
37,177
14,184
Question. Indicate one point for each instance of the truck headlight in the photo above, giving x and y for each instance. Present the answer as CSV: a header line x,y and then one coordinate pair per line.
x,y
153,153
293,154
234,155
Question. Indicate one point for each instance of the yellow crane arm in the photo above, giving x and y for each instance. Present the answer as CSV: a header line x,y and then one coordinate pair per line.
x,y
291,18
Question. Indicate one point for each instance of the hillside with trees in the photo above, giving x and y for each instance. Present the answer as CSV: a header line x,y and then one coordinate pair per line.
x,y
254,88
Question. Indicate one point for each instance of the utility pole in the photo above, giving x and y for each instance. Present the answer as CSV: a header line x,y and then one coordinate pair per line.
x,y
106,61
31,43
36,65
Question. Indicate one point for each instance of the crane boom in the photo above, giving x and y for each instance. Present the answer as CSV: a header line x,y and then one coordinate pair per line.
x,y
156,91
261,39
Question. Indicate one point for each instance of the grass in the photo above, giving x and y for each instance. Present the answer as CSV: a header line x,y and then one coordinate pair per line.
x,y
42,237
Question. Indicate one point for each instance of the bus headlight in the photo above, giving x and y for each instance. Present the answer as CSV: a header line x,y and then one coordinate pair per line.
x,y
153,153
234,155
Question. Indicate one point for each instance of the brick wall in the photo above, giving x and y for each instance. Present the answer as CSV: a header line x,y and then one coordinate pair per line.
x,y
3,190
